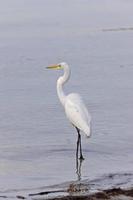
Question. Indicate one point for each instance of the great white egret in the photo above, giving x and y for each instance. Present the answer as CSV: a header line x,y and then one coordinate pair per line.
x,y
74,106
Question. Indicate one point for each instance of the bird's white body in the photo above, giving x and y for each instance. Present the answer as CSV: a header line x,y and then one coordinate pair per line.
x,y
73,104
77,113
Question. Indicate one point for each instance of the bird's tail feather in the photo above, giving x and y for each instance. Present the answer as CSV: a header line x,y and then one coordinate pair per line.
x,y
87,131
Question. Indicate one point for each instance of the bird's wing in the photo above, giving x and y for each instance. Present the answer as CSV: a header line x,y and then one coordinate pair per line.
x,y
77,112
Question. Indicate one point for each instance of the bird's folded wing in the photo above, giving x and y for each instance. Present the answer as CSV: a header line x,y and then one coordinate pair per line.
x,y
77,112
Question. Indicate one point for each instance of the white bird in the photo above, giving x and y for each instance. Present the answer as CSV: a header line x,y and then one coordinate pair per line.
x,y
74,106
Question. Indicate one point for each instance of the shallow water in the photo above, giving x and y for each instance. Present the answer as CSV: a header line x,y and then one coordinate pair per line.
x,y
37,143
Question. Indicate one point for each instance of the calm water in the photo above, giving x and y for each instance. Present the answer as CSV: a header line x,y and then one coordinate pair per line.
x,y
37,143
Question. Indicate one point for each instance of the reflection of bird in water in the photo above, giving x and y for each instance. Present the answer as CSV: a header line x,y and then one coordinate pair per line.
x,y
74,106
78,168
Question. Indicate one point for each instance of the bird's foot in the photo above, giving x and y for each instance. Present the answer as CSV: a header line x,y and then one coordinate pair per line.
x,y
81,158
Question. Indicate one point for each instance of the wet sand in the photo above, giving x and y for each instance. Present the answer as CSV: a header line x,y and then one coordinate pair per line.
x,y
112,194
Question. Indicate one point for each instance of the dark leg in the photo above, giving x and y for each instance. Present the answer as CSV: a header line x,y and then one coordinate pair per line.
x,y
79,161
81,155
79,143
77,150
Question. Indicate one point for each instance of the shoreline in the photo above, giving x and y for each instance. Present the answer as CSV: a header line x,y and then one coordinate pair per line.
x,y
115,193
118,186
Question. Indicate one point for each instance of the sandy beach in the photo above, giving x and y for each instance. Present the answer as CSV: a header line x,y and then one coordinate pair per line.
x,y
112,194
109,194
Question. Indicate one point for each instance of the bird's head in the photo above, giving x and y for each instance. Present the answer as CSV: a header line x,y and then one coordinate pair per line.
x,y
61,65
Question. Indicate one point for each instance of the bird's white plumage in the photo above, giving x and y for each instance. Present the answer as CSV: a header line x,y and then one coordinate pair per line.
x,y
77,112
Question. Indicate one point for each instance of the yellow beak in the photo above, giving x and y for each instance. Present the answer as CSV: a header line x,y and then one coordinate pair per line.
x,y
54,67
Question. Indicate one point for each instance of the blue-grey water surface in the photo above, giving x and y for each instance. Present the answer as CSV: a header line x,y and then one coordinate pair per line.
x,y
37,143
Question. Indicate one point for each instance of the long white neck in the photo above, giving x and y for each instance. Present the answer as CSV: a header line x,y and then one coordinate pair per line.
x,y
61,81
